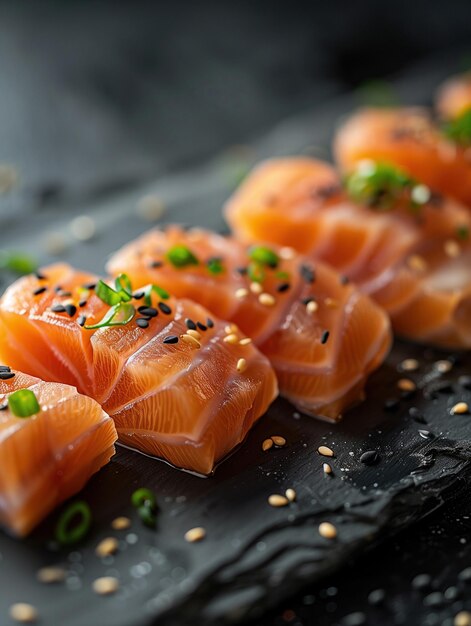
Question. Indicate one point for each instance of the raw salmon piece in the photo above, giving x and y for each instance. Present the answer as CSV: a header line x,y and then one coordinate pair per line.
x,y
322,356
454,97
408,139
48,457
185,402
398,255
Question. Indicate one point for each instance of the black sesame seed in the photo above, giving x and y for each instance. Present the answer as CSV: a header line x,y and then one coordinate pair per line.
x,y
391,404
417,415
283,287
40,276
465,575
5,368
142,323
422,582
370,457
138,295
426,434
165,308
306,301
209,323
241,270
148,311
190,324
57,288
82,303
155,264
39,291
344,280
465,381
171,339
307,273
70,309
64,294
81,320
58,308
201,326
89,286
6,375
376,597
325,336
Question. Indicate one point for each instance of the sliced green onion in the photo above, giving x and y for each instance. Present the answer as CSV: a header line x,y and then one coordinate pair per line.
x,y
17,262
123,287
107,293
23,403
181,256
463,232
147,515
256,272
143,497
118,315
378,185
282,275
78,512
215,266
264,256
459,129
150,289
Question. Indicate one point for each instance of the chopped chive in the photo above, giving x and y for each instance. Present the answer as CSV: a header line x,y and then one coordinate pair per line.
x,y
108,294
265,256
459,129
380,186
122,285
17,262
150,289
67,532
215,265
147,516
143,497
256,272
23,403
462,231
282,275
118,315
181,256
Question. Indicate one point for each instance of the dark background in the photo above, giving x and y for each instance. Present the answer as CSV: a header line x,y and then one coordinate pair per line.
x,y
98,97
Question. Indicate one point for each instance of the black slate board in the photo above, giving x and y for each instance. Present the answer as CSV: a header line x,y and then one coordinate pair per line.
x,y
253,554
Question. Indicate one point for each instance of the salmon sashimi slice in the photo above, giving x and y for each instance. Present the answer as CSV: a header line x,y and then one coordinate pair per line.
x,y
410,140
160,367
397,245
322,336
48,456
454,97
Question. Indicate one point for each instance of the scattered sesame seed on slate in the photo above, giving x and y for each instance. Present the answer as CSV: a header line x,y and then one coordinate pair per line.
x,y
171,339
190,324
89,286
436,387
209,323
70,309
283,287
354,619
6,375
417,415
155,264
138,295
465,381
370,457
307,273
39,291
148,311
5,368
81,320
165,308
465,575
40,276
422,582
325,336
201,326
142,323
376,597
58,308
434,599
426,434
451,593
391,404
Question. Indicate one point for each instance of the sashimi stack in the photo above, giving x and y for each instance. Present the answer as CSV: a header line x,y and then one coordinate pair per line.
x,y
193,335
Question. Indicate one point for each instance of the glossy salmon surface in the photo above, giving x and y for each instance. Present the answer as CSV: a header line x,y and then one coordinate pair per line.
x,y
322,336
173,392
49,456
414,260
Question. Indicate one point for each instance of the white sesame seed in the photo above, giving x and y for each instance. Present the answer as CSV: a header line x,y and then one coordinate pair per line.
x,y
256,287
52,574
241,365
188,339
452,248
195,534
83,227
23,612
266,299
290,494
241,293
311,307
150,208
278,440
420,194
443,366
405,384
409,365
417,263
245,341
121,523
327,530
287,253
232,339
460,408
193,333
277,500
230,329
106,547
326,468
267,444
105,585
325,451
